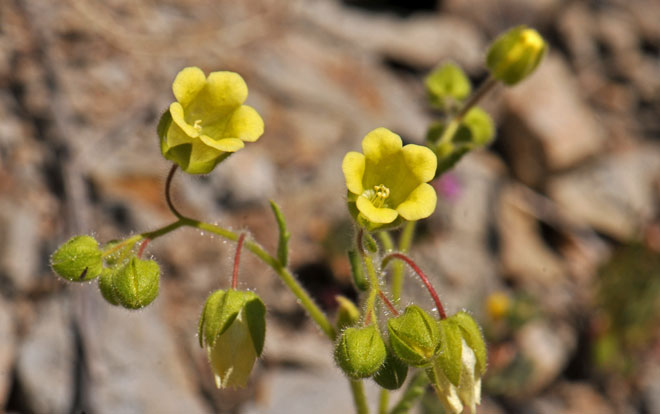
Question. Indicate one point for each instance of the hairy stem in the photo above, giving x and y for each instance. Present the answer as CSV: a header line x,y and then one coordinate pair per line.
x,y
359,397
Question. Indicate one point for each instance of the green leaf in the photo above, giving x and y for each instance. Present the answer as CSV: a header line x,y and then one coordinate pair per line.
x,y
283,242
255,315
136,283
473,338
447,83
451,349
78,260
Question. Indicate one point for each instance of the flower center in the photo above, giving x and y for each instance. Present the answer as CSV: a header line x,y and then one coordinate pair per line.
x,y
198,125
380,194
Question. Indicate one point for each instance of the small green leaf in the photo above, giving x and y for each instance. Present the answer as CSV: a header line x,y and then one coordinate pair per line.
x,y
357,271
283,242
451,348
136,283
473,338
78,260
481,126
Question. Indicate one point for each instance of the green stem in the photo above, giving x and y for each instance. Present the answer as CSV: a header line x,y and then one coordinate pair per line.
x,y
374,286
383,402
285,275
405,241
359,397
455,121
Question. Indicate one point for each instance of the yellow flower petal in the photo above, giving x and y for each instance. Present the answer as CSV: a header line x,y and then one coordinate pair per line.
x,y
419,204
245,123
187,84
225,90
353,168
421,161
201,152
375,214
380,143
224,144
178,117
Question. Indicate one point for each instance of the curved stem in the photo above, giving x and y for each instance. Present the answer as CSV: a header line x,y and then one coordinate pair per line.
x,y
237,258
387,303
168,197
359,397
285,275
425,280
143,246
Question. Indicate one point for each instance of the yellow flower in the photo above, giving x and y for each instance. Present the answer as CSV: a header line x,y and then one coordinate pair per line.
x,y
208,121
389,181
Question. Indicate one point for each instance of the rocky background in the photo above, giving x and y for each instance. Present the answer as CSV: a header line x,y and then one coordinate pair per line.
x,y
550,237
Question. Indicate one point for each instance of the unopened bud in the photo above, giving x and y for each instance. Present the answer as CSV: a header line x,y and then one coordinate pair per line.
x,y
360,352
136,283
515,54
78,260
414,336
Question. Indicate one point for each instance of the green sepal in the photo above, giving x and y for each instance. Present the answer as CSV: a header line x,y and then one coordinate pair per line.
x,y
255,315
164,125
283,241
106,286
347,313
363,222
446,83
392,374
136,283
473,338
451,348
221,309
360,352
414,336
370,243
78,260
357,270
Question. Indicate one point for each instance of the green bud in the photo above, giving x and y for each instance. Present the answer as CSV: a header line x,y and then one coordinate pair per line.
x,y
514,55
414,336
106,286
360,352
392,374
78,260
136,283
232,328
471,333
446,84
347,313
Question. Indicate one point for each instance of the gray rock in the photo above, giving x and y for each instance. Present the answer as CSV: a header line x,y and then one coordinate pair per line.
x,y
19,245
136,365
7,348
46,358
550,126
615,194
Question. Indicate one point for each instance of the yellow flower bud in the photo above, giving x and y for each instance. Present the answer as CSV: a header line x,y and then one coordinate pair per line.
x,y
515,54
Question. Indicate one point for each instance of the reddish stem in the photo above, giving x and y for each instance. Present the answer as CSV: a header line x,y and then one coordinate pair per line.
x,y
143,246
429,287
388,303
237,259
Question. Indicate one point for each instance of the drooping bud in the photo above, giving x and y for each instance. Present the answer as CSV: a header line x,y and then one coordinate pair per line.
x,y
78,260
232,328
360,352
136,283
414,336
514,55
393,373
347,313
456,373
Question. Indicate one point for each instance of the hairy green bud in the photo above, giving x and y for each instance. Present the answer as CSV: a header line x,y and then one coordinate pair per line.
x,y
78,260
514,55
106,286
414,336
136,283
360,352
